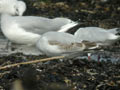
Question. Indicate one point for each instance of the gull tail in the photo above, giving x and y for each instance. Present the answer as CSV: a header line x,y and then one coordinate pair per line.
x,y
118,31
91,45
75,28
72,27
66,27
115,31
116,36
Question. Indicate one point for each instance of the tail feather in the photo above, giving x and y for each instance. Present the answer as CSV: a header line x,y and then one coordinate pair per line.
x,y
75,28
91,45
67,26
118,31
115,31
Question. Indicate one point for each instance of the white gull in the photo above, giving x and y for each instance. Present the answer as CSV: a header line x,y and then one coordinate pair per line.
x,y
60,43
96,34
27,29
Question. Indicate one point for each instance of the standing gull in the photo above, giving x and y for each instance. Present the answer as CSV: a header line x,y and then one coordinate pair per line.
x,y
60,43
99,35
27,29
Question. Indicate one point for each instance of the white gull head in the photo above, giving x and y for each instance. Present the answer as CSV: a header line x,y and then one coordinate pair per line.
x,y
21,7
12,7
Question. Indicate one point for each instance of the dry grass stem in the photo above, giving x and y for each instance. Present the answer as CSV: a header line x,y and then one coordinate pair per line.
x,y
30,62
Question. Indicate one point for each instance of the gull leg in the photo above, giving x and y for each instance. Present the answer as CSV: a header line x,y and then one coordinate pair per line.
x,y
89,56
8,46
98,58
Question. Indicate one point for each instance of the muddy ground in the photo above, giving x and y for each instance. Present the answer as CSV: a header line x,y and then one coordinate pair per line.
x,y
72,74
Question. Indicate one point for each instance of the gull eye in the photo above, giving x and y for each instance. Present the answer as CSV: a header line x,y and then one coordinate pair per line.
x,y
16,11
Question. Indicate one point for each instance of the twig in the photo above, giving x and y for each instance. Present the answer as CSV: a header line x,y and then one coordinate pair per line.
x,y
30,62
87,11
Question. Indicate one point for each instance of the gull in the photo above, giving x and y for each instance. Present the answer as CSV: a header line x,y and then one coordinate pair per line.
x,y
60,43
99,35
27,30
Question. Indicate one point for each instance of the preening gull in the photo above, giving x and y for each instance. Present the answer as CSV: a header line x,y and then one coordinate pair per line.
x,y
60,43
99,35
12,7
27,29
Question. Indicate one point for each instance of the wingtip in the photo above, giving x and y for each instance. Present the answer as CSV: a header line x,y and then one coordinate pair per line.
x,y
66,27
91,45
118,31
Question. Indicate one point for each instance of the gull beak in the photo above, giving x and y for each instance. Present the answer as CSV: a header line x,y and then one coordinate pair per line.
x,y
17,13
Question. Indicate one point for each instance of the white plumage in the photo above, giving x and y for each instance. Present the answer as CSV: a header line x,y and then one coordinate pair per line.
x,y
59,43
12,7
96,34
27,29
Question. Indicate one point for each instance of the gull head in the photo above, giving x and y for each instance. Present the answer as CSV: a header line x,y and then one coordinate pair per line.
x,y
12,7
20,7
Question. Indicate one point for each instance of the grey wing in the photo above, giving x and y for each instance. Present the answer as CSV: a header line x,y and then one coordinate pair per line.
x,y
40,25
61,37
92,34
